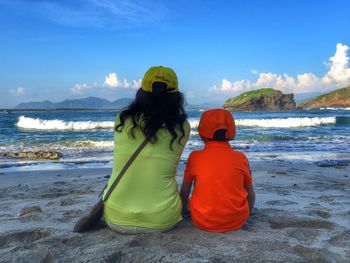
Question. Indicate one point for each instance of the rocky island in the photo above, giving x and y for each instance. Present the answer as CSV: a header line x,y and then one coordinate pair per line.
x,y
266,99
337,98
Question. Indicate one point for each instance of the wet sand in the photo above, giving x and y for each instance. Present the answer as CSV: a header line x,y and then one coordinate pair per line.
x,y
302,215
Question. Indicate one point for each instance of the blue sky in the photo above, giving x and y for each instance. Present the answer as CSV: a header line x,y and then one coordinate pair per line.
x,y
60,49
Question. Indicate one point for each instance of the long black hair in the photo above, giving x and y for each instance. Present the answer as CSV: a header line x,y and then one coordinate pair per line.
x,y
151,111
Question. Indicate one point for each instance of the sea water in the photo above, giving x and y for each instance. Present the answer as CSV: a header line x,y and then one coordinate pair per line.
x,y
85,138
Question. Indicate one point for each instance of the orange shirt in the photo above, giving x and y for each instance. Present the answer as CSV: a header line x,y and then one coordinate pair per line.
x,y
218,202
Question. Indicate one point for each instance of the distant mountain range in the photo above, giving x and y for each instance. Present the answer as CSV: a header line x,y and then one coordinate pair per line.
x,y
85,103
94,103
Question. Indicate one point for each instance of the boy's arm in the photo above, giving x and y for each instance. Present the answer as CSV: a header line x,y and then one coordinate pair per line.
x,y
185,193
250,197
187,185
248,185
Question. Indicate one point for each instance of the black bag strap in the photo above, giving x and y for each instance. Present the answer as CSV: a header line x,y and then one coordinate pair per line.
x,y
125,168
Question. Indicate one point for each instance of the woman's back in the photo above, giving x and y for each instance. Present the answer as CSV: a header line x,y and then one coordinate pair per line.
x,y
147,195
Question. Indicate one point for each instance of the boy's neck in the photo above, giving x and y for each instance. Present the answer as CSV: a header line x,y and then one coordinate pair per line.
x,y
213,142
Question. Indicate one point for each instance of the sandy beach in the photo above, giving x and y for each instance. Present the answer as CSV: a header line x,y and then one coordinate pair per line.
x,y
302,215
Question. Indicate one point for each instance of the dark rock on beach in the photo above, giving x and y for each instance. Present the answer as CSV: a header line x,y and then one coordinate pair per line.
x,y
333,163
29,209
49,155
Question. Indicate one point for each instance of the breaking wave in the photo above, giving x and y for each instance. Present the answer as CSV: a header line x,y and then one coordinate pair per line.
x,y
334,108
39,124
279,122
90,143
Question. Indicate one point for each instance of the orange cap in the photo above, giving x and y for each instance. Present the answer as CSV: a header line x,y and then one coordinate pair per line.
x,y
217,119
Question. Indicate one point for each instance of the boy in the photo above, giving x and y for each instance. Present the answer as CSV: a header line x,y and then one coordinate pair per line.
x,y
223,193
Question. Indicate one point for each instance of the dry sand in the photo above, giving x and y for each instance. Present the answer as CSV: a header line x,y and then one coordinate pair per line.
x,y
302,215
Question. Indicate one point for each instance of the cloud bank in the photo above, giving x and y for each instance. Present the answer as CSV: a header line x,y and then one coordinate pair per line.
x,y
112,81
338,76
18,91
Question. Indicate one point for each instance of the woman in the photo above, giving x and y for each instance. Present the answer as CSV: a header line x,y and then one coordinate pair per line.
x,y
146,199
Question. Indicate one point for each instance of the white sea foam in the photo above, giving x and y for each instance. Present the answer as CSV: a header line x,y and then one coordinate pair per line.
x,y
2,149
279,122
94,144
287,122
39,124
194,132
193,123
333,108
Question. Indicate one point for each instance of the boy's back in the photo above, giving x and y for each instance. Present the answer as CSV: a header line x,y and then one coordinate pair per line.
x,y
223,193
219,199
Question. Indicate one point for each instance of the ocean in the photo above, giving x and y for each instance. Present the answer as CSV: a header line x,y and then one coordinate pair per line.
x,y
85,138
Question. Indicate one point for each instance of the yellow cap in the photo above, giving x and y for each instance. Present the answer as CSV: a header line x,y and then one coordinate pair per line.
x,y
160,74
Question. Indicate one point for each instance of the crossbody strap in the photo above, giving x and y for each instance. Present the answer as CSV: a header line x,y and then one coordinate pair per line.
x,y
125,168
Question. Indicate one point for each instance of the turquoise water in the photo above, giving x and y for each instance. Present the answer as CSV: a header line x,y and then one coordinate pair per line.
x,y
85,138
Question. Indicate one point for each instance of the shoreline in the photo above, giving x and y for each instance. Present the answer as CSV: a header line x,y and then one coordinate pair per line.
x,y
103,160
302,215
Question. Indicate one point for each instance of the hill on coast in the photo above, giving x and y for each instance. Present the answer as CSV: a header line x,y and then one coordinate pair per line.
x,y
85,103
337,98
266,99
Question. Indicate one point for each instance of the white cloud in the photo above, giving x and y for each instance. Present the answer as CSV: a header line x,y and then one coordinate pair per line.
x,y
78,88
18,91
112,81
339,72
136,84
338,76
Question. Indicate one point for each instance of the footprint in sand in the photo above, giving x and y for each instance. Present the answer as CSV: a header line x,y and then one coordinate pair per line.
x,y
60,183
342,239
290,222
320,213
29,209
313,254
281,172
304,234
280,202
73,241
283,192
29,254
134,243
22,237
66,201
70,214
52,193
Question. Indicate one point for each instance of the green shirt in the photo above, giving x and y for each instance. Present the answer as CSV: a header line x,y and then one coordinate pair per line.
x,y
147,195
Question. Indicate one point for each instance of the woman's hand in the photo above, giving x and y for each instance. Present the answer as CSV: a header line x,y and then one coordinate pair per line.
x,y
184,194
185,212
